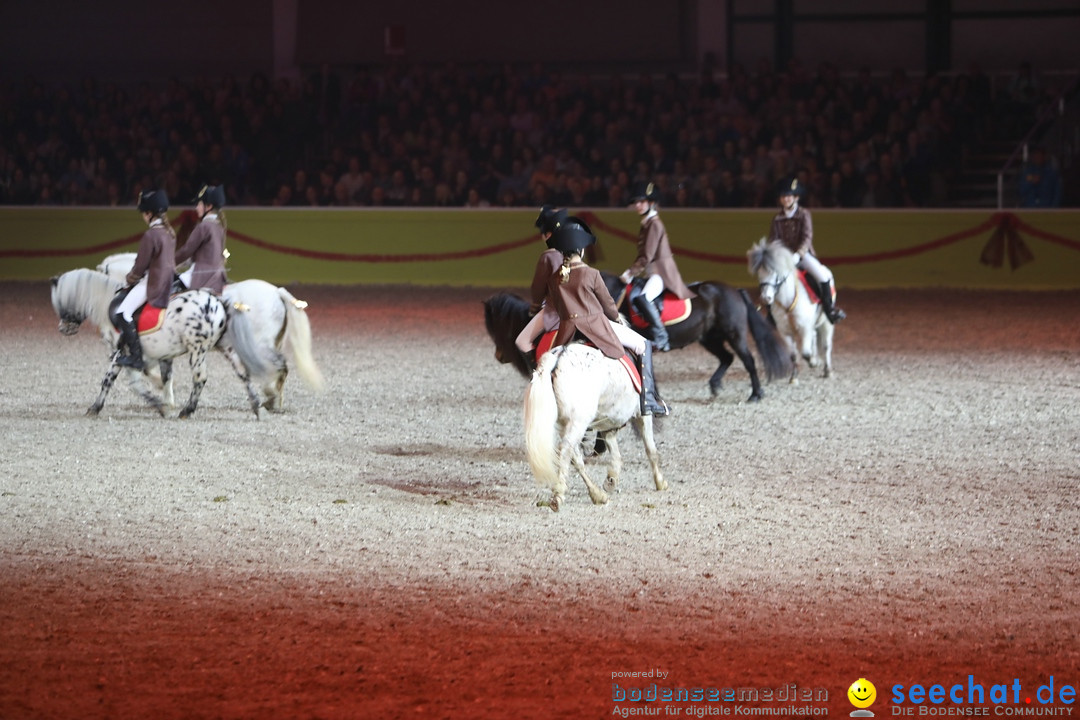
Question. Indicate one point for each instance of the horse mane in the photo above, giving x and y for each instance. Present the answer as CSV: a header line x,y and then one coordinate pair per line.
x,y
772,256
85,293
505,315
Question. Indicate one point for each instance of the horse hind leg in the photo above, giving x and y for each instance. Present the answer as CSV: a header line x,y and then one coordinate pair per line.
x,y
615,466
274,389
245,376
198,381
573,450
644,425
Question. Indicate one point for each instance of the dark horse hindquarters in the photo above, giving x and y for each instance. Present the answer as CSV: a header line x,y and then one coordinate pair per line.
x,y
723,317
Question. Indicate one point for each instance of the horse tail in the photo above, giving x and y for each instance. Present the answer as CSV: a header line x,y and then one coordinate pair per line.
x,y
541,414
241,336
770,345
298,334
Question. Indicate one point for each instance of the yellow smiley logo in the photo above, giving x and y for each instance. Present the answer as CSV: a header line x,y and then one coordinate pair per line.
x,y
862,693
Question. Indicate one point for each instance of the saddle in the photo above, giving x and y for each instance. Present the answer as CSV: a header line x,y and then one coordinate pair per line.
x,y
673,310
813,287
148,319
545,341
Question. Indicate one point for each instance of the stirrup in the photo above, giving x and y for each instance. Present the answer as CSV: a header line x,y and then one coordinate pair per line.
x,y
652,405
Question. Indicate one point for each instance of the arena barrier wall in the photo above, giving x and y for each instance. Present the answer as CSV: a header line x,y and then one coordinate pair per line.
x,y
978,249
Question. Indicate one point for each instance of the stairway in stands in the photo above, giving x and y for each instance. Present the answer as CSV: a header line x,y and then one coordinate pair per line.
x,y
975,185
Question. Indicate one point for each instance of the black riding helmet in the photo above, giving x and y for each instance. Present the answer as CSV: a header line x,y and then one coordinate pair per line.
x,y
549,219
644,191
211,195
571,237
154,202
791,186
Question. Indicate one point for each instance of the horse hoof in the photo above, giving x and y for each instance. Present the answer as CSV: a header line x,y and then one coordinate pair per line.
x,y
755,397
554,503
609,484
93,411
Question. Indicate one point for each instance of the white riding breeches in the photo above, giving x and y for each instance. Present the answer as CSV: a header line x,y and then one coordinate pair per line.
x,y
134,299
630,340
812,265
654,286
544,321
185,277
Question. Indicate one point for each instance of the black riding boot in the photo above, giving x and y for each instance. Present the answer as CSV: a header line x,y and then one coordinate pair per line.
x,y
651,402
648,310
834,314
129,337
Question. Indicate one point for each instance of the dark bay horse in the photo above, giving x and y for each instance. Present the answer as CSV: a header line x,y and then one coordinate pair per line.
x,y
722,317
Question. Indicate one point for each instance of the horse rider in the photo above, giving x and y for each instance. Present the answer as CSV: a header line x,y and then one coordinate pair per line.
x,y
544,317
655,262
151,277
793,227
585,308
205,246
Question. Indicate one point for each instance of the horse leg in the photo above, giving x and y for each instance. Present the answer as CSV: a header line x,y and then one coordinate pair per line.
x,y
570,452
242,373
166,370
825,342
198,380
644,424
106,385
615,468
596,493
275,388
715,345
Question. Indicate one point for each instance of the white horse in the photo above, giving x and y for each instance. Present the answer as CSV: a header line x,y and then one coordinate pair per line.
x,y
575,389
799,317
194,324
278,320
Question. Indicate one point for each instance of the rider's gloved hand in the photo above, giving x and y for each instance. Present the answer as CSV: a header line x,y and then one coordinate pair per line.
x,y
625,277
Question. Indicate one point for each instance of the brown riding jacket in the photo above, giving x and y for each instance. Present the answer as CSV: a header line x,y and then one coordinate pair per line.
x,y
155,260
654,257
585,304
206,247
550,261
796,232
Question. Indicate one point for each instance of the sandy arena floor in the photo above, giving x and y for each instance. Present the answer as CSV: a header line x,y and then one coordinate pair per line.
x,y
378,551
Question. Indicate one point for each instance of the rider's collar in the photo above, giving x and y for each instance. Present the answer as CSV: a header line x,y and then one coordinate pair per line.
x,y
211,216
156,221
794,209
649,215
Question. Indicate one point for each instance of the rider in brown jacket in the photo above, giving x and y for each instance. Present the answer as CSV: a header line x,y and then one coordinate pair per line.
x,y
655,262
586,308
150,279
205,247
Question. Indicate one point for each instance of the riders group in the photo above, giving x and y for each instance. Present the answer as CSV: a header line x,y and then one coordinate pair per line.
x,y
151,279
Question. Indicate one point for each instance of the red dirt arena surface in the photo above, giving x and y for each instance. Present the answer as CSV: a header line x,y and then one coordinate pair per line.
x,y
378,550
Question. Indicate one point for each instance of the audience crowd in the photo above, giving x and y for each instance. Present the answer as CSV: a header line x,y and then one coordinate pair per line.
x,y
502,136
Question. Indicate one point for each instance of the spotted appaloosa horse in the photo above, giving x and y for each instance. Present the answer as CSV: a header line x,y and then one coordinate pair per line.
x,y
799,317
194,324
278,321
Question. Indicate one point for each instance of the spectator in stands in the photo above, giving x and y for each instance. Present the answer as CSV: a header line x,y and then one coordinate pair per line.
x,y
1040,182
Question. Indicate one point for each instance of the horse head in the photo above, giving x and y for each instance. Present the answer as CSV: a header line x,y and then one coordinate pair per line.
x,y
505,316
772,264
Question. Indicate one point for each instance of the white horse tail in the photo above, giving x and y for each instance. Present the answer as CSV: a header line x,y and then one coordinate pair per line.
x,y
242,337
541,414
298,334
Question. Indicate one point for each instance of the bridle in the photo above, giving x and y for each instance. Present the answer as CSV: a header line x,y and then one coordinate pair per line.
x,y
781,280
